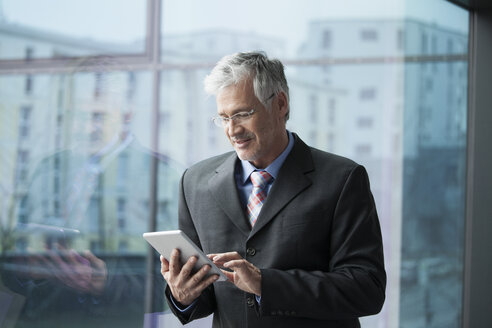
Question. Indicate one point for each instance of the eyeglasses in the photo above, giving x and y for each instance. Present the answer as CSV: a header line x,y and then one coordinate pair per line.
x,y
237,118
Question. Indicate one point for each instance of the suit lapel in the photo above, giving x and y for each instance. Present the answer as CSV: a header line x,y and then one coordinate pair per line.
x,y
291,181
222,186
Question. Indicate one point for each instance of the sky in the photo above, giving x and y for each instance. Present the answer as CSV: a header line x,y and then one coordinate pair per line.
x,y
124,20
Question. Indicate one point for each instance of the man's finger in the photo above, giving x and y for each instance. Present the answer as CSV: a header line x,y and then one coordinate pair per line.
x,y
229,275
93,259
175,263
206,282
164,264
187,269
236,265
220,259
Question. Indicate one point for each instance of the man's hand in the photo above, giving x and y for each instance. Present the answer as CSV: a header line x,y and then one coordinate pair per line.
x,y
185,286
244,275
86,273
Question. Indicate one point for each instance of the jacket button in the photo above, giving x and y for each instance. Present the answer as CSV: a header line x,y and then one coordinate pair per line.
x,y
251,251
250,302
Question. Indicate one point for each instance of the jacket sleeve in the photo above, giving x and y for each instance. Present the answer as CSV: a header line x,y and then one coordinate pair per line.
x,y
355,283
205,304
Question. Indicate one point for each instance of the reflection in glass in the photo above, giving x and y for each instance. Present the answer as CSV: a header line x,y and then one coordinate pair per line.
x,y
77,200
75,170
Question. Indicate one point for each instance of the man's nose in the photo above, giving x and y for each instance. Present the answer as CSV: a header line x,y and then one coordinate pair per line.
x,y
233,127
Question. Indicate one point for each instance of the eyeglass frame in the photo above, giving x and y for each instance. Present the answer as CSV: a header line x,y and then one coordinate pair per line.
x,y
240,117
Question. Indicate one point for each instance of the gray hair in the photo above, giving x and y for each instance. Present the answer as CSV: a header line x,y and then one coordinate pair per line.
x,y
267,74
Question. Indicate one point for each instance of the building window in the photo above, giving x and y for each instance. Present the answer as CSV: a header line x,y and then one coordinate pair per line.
x,y
22,165
121,213
56,207
94,214
24,122
363,150
326,39
424,42
313,102
132,86
123,246
367,93
28,86
97,122
98,85
400,40
23,210
369,35
331,116
29,53
450,64
364,122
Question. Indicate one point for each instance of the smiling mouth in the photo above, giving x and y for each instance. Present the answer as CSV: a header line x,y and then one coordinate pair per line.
x,y
241,142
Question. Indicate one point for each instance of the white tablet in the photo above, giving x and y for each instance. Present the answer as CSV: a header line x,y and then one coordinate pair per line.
x,y
165,241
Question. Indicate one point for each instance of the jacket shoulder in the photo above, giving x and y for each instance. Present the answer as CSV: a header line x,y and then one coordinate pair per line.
x,y
207,167
332,162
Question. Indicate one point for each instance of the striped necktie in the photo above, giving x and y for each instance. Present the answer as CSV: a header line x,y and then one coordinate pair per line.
x,y
258,195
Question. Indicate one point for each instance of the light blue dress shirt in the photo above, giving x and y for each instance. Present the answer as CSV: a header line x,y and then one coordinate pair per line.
x,y
245,168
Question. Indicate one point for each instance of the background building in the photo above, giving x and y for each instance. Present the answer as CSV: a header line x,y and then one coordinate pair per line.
x,y
78,149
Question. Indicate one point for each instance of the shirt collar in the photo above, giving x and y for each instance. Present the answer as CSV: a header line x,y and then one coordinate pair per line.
x,y
273,168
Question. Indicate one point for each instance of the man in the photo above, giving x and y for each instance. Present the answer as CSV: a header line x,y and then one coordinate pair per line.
x,y
301,249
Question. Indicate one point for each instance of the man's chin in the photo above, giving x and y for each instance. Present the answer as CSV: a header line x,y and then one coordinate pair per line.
x,y
245,156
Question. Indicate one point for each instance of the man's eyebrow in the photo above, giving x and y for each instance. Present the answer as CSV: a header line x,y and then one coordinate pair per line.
x,y
235,111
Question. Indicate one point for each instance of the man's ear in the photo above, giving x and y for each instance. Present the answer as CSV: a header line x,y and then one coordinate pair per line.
x,y
282,103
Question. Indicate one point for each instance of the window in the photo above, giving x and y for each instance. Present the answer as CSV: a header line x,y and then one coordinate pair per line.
x,y
326,39
24,122
28,85
97,127
132,86
29,53
367,94
363,150
450,48
120,214
369,35
400,41
82,157
22,165
424,43
99,84
364,122
313,99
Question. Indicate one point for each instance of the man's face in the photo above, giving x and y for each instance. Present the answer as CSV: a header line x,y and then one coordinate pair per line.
x,y
262,137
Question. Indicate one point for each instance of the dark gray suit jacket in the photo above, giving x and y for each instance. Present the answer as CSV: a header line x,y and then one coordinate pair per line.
x,y
317,242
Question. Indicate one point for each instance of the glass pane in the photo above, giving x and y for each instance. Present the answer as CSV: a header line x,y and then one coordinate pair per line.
x,y
370,81
76,187
56,28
